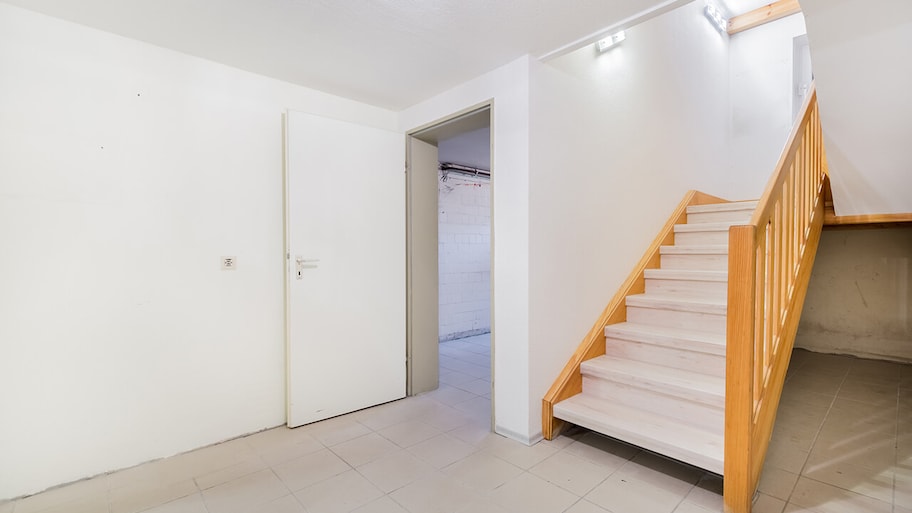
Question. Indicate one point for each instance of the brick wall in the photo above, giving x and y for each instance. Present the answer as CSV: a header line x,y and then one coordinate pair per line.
x,y
464,233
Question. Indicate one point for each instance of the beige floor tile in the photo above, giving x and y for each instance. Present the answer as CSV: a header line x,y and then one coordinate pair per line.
x,y
477,406
386,415
584,506
480,387
241,469
902,487
660,471
517,453
855,477
286,504
310,469
476,433
485,505
602,450
395,470
190,504
443,417
84,504
531,494
434,494
409,433
824,498
331,432
869,393
455,378
689,507
441,450
482,472
364,449
85,491
707,493
572,473
146,494
768,504
777,483
339,494
6,506
786,455
631,495
449,395
246,493
382,505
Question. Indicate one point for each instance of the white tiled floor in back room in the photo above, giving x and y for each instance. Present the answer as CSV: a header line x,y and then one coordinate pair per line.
x,y
843,443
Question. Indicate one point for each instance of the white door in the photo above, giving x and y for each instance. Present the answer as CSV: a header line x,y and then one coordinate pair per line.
x,y
345,243
423,300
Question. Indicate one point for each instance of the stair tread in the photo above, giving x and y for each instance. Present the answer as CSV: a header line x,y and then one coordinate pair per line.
x,y
715,226
700,341
695,249
686,274
722,207
703,388
650,431
680,302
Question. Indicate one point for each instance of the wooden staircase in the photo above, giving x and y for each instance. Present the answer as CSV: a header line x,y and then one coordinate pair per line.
x,y
661,383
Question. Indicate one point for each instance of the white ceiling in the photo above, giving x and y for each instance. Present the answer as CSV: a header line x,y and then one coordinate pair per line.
x,y
390,53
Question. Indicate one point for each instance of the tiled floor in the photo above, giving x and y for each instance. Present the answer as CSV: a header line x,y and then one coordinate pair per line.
x,y
842,444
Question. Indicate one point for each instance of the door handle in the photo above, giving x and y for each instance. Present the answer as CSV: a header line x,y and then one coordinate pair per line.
x,y
302,263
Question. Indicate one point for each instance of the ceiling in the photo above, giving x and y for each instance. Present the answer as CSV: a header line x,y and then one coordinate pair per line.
x,y
390,53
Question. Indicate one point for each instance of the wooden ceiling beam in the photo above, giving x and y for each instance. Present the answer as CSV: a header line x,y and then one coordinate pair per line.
x,y
765,14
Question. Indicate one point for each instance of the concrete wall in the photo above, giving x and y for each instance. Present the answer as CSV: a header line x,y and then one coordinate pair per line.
x,y
859,301
126,172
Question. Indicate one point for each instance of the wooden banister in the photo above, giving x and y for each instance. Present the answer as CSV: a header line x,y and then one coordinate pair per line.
x,y
770,261
570,382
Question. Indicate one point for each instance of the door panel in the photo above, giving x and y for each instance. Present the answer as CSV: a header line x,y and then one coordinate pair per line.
x,y
423,275
345,243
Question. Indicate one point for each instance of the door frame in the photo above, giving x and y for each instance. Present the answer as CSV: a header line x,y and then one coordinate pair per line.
x,y
485,105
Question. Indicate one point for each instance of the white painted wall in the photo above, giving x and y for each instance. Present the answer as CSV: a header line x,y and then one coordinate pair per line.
x,y
859,300
126,171
860,50
507,88
761,102
464,254
617,139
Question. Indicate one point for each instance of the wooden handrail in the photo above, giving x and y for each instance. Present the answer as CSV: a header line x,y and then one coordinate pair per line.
x,y
770,261
570,382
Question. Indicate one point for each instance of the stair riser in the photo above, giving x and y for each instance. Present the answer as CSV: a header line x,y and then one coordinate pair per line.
x,y
687,287
675,408
700,238
710,364
732,216
675,319
695,262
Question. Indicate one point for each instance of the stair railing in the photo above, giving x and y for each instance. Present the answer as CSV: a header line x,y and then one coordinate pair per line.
x,y
769,267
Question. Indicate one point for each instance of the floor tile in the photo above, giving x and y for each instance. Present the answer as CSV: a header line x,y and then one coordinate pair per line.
x,y
584,506
286,504
449,395
631,495
482,472
824,498
409,433
572,473
147,494
434,494
602,450
246,493
395,470
190,504
441,450
517,453
767,504
84,491
531,494
313,468
382,505
335,431
339,494
364,449
777,483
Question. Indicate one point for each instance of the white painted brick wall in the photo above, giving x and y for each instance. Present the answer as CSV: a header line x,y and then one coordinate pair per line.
x,y
464,238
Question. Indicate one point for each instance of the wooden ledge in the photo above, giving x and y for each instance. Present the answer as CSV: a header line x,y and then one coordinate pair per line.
x,y
831,219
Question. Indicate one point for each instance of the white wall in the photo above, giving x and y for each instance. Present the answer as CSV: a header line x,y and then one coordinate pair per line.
x,y
859,300
761,102
860,50
507,88
617,140
464,254
126,171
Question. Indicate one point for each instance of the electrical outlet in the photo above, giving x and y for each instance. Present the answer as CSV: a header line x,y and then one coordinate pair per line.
x,y
229,263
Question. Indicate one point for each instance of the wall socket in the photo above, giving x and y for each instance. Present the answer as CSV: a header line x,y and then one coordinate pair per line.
x,y
229,263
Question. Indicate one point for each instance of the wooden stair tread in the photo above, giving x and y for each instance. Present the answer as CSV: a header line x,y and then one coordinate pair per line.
x,y
695,249
687,385
679,302
686,274
698,341
722,207
644,429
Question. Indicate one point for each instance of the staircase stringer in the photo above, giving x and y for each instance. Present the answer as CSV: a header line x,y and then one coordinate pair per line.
x,y
570,382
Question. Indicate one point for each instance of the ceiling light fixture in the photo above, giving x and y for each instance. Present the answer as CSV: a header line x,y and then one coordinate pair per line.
x,y
714,14
611,41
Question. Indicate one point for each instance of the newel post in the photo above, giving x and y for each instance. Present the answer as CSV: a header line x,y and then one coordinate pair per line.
x,y
742,276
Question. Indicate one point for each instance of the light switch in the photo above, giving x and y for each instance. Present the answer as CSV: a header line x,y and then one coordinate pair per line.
x,y
229,263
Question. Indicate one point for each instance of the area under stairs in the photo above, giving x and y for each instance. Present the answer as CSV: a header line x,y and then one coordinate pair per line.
x,y
661,383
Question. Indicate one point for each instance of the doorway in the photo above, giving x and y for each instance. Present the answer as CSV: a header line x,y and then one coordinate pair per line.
x,y
449,256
